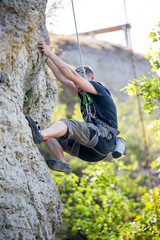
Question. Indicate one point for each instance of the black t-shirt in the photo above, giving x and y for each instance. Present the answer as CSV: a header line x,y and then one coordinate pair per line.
x,y
103,106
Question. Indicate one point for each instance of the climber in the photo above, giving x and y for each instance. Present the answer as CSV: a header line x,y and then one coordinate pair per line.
x,y
90,140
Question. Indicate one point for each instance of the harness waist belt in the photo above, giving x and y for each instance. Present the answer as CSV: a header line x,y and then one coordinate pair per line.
x,y
112,129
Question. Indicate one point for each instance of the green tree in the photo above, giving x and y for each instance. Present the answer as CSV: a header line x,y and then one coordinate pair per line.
x,y
149,89
98,204
146,225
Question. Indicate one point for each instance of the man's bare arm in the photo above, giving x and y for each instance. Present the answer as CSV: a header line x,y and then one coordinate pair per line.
x,y
66,70
60,77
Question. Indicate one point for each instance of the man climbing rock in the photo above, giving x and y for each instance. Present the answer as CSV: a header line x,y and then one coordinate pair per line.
x,y
90,140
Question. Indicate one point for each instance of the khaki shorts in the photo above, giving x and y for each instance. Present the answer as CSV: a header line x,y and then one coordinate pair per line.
x,y
83,132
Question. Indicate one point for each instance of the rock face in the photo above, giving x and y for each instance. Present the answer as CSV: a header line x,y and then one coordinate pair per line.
x,y
30,206
111,63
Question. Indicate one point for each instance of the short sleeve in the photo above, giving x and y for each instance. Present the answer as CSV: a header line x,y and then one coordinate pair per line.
x,y
99,87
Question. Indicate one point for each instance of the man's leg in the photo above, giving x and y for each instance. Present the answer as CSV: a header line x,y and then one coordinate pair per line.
x,y
58,163
56,130
55,149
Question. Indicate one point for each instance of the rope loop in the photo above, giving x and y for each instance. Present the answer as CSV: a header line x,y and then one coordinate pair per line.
x,y
82,71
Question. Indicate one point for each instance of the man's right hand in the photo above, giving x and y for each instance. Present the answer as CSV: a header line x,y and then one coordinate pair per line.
x,y
44,48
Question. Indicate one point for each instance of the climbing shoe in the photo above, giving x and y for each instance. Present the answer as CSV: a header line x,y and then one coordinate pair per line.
x,y
35,128
59,166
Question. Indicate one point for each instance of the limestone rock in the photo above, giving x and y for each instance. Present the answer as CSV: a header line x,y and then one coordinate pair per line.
x,y
30,206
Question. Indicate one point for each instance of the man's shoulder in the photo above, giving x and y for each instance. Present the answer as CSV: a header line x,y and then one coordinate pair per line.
x,y
97,84
100,86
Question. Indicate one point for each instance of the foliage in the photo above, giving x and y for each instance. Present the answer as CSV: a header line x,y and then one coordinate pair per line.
x,y
155,126
131,131
51,11
146,225
77,113
59,112
149,87
102,205
101,202
155,57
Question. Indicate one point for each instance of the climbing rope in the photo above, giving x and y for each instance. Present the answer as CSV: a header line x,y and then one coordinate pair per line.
x,y
146,147
87,100
82,70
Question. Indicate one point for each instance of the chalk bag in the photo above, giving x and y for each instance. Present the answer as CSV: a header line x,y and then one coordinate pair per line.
x,y
119,148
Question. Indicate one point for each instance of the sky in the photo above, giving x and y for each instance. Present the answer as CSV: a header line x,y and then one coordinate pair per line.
x,y
142,15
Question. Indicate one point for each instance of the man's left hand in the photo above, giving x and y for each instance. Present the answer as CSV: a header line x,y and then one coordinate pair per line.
x,y
44,48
